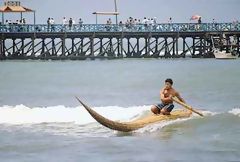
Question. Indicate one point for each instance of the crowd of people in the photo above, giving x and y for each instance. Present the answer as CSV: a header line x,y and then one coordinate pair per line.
x,y
70,23
21,22
134,23
129,24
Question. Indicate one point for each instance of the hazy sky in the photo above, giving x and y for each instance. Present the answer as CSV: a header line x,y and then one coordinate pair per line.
x,y
179,10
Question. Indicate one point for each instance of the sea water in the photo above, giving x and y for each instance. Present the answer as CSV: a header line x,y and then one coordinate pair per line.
x,y
40,119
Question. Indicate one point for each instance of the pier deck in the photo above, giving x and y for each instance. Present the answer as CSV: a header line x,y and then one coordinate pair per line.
x,y
115,41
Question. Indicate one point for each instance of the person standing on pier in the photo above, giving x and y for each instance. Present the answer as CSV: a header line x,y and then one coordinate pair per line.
x,y
70,24
80,23
48,24
170,20
199,20
52,22
166,94
64,23
170,27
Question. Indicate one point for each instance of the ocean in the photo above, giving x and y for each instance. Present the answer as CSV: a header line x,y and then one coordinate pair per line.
x,y
40,119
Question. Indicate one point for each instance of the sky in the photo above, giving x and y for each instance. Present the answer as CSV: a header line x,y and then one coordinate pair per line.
x,y
179,10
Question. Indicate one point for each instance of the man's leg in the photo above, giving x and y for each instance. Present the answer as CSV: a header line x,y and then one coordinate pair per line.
x,y
155,109
167,109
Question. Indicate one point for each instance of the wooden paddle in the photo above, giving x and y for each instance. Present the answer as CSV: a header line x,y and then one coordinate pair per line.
x,y
186,106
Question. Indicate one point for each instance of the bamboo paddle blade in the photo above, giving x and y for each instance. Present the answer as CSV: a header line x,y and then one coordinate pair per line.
x,y
186,106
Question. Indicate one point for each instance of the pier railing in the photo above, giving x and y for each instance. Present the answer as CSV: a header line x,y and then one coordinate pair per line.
x,y
168,27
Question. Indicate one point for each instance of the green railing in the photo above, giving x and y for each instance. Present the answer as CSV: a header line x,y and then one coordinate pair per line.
x,y
173,27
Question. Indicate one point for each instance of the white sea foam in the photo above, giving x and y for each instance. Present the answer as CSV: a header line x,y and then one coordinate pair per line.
x,y
21,114
235,111
207,113
160,125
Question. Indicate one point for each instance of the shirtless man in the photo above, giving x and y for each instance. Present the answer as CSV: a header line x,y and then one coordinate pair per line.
x,y
166,95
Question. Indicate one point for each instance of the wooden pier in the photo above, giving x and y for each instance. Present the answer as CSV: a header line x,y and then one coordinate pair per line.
x,y
78,42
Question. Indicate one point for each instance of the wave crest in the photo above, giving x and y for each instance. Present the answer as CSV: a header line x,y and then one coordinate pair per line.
x,y
235,111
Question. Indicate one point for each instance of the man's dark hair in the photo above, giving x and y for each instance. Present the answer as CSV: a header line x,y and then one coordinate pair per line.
x,y
169,81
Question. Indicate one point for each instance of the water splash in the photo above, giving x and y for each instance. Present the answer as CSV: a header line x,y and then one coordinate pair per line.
x,y
160,125
235,111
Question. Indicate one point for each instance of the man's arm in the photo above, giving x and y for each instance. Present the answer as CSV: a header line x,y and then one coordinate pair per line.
x,y
180,98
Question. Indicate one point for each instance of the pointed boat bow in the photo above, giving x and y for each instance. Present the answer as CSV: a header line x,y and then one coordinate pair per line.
x,y
109,123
